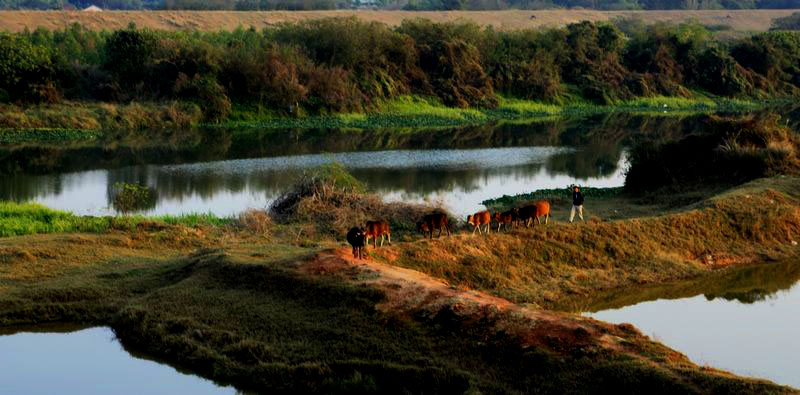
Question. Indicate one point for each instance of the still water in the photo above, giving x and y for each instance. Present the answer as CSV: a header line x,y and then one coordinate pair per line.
x,y
87,361
458,179
746,322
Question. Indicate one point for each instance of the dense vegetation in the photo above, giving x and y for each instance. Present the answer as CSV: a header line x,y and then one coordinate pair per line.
x,y
791,22
728,151
347,65
255,5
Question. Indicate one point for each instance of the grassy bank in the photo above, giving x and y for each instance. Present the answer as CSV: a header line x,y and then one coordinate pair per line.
x,y
267,306
18,219
553,264
89,120
240,309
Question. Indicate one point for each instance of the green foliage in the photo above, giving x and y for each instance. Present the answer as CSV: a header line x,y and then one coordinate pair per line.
x,y
25,70
565,194
127,53
132,197
29,218
336,175
17,219
349,66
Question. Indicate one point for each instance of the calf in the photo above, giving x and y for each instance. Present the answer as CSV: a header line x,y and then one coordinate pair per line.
x,y
357,239
433,222
505,218
478,219
375,229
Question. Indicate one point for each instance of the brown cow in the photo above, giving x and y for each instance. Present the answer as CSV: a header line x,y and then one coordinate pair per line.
x,y
433,222
375,229
533,211
478,219
505,218
542,210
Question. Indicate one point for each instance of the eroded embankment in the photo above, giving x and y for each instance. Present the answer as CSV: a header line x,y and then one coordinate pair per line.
x,y
267,315
558,263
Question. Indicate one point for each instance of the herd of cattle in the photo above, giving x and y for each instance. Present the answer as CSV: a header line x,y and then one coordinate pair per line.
x,y
359,237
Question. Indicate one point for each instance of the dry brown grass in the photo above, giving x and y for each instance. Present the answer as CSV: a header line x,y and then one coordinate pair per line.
x,y
96,116
552,263
257,221
15,21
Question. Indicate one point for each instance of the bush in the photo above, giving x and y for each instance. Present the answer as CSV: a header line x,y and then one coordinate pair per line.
x,y
25,71
128,54
133,197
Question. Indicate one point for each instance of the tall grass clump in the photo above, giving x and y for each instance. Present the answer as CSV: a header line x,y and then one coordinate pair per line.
x,y
335,201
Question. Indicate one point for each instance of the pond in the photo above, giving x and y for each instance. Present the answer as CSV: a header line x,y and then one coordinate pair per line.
x,y
226,172
89,361
745,321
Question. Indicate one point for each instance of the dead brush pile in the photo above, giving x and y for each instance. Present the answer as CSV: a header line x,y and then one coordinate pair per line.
x,y
334,208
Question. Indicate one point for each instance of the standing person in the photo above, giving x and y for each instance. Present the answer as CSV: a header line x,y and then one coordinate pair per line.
x,y
577,204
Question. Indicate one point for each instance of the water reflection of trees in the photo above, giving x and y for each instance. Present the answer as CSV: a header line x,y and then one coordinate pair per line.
x,y
599,141
750,284
194,146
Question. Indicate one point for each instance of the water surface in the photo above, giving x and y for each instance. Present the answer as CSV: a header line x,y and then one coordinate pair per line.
x,y
87,361
745,321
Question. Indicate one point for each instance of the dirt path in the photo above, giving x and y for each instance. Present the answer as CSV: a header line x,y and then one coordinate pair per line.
x,y
412,293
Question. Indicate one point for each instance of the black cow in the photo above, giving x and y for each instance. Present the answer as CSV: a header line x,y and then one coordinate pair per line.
x,y
357,238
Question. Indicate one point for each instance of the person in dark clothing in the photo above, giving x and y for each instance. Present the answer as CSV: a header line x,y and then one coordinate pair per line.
x,y
577,204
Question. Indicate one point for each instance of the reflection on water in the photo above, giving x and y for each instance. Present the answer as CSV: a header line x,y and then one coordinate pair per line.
x,y
224,171
87,361
744,321
461,179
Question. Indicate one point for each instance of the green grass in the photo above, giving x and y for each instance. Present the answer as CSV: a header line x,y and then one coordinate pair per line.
x,y
504,202
57,123
46,135
18,219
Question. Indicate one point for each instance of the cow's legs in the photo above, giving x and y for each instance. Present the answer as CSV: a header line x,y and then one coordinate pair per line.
x,y
389,237
547,218
488,227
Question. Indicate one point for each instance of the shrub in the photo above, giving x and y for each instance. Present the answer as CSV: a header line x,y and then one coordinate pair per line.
x,y
128,54
25,71
133,197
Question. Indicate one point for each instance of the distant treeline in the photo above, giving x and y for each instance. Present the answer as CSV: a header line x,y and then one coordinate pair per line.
x,y
345,64
254,5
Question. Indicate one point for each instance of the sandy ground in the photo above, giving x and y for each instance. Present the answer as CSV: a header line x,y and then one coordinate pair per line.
x,y
738,20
